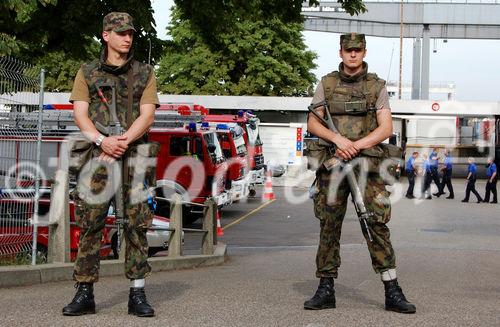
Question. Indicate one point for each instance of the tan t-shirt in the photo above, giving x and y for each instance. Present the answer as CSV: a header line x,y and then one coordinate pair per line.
x,y
382,100
80,90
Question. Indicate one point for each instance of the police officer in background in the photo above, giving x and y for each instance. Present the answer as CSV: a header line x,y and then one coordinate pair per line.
x,y
360,109
447,170
434,169
136,102
491,183
471,181
411,172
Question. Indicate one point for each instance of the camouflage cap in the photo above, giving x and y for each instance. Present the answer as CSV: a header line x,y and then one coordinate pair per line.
x,y
352,40
118,22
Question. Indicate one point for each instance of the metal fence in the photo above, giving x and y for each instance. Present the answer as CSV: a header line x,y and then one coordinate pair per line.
x,y
21,90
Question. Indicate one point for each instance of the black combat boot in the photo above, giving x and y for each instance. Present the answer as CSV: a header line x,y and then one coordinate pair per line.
x,y
83,302
395,300
137,303
324,297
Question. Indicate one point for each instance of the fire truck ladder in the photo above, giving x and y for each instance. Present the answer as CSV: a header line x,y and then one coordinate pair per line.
x,y
53,122
61,122
172,119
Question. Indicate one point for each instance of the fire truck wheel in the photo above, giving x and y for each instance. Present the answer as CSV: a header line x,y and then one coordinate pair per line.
x,y
252,192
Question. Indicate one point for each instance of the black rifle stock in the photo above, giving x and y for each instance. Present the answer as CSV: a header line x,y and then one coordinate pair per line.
x,y
359,203
114,128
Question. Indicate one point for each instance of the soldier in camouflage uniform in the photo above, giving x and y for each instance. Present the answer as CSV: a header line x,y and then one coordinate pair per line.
x,y
136,102
358,102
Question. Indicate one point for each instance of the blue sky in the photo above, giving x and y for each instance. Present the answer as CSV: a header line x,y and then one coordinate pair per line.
x,y
473,65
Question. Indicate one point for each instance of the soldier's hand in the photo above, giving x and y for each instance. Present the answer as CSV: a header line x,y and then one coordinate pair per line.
x,y
114,146
342,155
106,158
346,149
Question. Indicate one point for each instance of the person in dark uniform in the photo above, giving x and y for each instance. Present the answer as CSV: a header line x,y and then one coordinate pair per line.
x,y
411,173
446,181
471,182
434,174
491,183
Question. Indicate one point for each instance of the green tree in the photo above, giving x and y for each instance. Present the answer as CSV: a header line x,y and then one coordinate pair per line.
x,y
59,35
14,13
252,53
213,17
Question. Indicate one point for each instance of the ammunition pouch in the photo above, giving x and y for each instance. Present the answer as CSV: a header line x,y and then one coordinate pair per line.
x,y
143,153
315,153
394,159
384,159
80,152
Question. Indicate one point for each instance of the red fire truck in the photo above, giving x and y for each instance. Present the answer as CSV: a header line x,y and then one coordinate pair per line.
x,y
250,125
234,149
186,148
190,163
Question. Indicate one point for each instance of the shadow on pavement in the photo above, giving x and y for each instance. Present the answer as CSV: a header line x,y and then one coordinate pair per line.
x,y
156,293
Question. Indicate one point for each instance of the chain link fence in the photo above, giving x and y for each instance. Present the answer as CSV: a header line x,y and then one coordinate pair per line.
x,y
21,90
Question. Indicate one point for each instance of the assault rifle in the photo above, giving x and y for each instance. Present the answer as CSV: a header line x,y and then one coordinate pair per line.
x,y
357,197
114,128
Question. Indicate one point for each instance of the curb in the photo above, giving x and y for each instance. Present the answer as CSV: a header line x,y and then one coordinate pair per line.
x,y
53,272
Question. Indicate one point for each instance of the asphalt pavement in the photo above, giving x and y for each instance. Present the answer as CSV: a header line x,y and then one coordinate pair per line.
x,y
448,258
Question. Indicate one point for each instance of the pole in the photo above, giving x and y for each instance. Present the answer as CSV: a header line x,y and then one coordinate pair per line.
x,y
400,52
390,64
416,72
426,53
34,221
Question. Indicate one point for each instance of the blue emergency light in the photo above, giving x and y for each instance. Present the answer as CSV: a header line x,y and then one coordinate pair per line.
x,y
68,106
222,127
205,125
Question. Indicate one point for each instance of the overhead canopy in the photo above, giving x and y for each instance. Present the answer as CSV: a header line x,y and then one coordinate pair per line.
x,y
450,20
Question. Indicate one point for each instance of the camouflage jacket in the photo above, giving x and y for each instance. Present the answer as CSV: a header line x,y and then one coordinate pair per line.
x,y
352,100
99,71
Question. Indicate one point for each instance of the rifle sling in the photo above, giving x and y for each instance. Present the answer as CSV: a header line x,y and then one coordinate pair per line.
x,y
130,92
128,117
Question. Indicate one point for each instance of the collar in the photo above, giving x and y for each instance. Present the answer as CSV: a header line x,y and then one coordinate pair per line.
x,y
353,78
115,70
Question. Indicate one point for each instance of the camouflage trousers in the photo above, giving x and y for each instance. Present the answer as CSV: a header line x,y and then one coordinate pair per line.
x,y
90,217
330,204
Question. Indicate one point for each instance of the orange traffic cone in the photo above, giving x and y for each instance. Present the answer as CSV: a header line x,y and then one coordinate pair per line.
x,y
268,188
220,232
